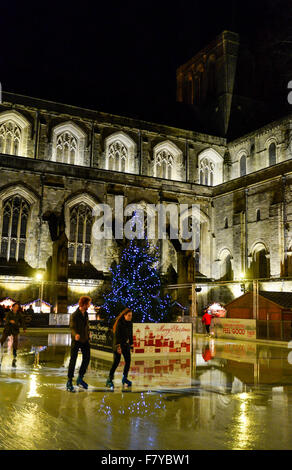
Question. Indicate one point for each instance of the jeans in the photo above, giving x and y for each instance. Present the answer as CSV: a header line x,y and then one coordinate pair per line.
x,y
207,328
85,349
117,357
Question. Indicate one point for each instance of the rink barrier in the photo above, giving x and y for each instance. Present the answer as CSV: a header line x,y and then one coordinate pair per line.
x,y
151,339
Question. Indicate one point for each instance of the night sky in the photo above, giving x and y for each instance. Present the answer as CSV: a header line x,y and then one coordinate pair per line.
x,y
114,56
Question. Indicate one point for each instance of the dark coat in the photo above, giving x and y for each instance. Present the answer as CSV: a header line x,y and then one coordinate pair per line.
x,y
123,333
79,325
13,328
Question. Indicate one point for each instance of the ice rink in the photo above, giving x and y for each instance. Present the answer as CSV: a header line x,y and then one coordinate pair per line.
x,y
226,395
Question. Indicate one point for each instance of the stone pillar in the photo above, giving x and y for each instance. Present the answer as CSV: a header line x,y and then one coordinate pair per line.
x,y
58,263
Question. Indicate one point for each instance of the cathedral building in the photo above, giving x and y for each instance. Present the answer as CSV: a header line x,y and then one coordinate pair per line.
x,y
233,161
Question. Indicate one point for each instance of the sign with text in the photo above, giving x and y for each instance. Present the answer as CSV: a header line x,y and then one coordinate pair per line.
x,y
101,336
235,328
162,338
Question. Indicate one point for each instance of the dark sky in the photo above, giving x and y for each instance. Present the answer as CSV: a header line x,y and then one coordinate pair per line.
x,y
114,56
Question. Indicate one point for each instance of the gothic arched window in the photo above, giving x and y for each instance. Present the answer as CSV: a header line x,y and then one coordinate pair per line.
x,y
164,164
120,153
272,154
80,234
260,267
207,169
13,237
69,144
10,137
117,156
66,147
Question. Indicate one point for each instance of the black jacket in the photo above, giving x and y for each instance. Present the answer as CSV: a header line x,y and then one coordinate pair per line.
x,y
79,325
123,333
13,328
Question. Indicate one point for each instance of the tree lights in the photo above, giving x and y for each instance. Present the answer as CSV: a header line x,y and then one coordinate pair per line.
x,y
136,284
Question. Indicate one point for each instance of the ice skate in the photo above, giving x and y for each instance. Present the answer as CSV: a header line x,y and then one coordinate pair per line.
x,y
80,383
127,382
109,383
69,386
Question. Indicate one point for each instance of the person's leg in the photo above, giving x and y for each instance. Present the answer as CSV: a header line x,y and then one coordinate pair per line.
x,y
15,344
85,349
208,328
75,345
4,337
116,361
127,356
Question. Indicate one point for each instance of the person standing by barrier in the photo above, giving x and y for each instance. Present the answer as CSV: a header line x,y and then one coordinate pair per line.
x,y
13,320
122,344
206,319
79,325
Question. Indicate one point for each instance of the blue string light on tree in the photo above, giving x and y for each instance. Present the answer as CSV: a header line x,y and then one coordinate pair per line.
x,y
136,284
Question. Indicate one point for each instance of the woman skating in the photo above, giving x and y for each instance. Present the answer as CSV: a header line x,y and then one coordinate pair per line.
x,y
14,319
122,344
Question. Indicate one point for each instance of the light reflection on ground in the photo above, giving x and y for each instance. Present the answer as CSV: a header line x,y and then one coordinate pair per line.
x,y
230,395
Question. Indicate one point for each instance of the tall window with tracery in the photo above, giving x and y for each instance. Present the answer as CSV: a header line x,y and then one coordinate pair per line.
x,y
10,137
164,164
207,169
80,234
66,148
117,156
13,237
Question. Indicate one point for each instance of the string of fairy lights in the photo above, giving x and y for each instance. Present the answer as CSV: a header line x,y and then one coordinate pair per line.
x,y
136,284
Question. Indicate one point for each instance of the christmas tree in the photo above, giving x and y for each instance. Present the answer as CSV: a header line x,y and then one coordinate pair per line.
x,y
136,284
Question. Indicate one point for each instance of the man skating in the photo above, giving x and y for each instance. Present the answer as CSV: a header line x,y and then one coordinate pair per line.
x,y
79,325
13,320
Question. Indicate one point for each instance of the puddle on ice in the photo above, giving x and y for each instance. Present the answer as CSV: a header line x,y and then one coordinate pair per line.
x,y
226,396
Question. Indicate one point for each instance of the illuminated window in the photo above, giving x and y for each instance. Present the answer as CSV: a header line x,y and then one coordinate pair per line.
x,y
10,137
13,238
164,164
66,148
168,161
68,144
80,234
117,156
207,169
120,153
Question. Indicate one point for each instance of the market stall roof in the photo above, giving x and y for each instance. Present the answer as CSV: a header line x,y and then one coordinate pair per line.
x,y
35,301
282,299
4,300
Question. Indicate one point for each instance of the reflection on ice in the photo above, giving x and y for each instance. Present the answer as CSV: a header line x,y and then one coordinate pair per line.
x,y
33,385
227,396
